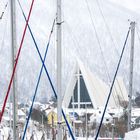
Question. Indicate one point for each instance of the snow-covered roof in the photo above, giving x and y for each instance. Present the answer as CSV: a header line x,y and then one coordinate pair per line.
x,y
21,113
135,112
96,117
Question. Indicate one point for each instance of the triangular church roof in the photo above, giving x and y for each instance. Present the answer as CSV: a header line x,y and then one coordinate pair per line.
x,y
97,89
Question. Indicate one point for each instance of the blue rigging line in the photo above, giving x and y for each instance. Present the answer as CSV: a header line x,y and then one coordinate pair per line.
x,y
112,85
31,33
70,131
39,77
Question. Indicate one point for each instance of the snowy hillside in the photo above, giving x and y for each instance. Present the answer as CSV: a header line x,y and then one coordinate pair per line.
x,y
79,39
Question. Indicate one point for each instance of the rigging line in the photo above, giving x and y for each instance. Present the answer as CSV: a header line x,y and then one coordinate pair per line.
x,y
111,37
38,81
75,41
73,37
31,33
100,47
118,65
107,27
2,14
138,33
69,128
115,89
2,42
16,62
107,71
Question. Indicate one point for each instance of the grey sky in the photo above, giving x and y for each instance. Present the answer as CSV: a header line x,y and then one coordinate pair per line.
x,y
130,4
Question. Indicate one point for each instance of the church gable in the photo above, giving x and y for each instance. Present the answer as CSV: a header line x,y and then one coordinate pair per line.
x,y
85,100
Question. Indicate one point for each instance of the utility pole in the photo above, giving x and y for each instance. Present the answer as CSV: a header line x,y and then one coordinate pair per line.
x,y
59,73
131,74
13,45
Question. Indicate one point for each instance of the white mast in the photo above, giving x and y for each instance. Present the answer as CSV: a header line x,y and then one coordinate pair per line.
x,y
59,76
131,74
73,106
78,87
13,45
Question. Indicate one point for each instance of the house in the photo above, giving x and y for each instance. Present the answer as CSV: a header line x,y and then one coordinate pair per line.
x,y
52,117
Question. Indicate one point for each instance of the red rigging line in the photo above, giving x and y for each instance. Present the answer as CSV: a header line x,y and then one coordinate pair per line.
x,y
15,65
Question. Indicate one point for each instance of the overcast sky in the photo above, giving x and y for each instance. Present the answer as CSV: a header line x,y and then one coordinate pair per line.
x,y
130,4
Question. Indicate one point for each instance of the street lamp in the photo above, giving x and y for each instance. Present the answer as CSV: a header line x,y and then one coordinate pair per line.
x,y
113,126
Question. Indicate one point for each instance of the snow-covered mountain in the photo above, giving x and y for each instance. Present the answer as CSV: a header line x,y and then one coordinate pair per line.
x,y
79,40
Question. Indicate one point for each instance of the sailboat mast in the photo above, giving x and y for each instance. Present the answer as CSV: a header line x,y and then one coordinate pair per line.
x,y
131,74
59,73
13,45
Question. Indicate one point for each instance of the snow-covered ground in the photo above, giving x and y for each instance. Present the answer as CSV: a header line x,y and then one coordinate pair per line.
x,y
4,132
133,135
